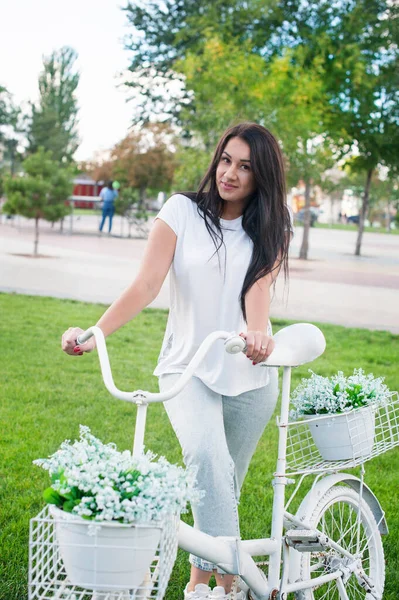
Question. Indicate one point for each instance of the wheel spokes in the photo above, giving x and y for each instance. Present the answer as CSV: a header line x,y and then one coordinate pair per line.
x,y
341,523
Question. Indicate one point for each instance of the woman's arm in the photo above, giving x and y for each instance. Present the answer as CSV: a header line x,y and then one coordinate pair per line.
x,y
144,289
257,304
257,307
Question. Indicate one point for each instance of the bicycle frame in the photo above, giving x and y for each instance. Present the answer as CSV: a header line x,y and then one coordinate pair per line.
x,y
234,555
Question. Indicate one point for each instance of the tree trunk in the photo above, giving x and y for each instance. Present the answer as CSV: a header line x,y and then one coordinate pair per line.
x,y
363,212
388,218
36,243
142,198
303,253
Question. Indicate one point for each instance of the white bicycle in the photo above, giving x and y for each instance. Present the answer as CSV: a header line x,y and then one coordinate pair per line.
x,y
329,550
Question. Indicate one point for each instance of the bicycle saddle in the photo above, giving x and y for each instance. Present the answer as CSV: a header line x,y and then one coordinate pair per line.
x,y
296,345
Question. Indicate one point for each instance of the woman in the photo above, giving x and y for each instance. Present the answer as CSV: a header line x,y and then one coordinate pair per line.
x,y
224,247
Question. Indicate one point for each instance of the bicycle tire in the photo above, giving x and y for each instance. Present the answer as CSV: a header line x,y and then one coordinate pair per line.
x,y
336,515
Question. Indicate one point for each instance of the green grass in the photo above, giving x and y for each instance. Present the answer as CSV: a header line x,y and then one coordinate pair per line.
x,y
45,395
350,227
86,211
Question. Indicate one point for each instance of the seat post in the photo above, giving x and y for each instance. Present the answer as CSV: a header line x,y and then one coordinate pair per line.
x,y
280,481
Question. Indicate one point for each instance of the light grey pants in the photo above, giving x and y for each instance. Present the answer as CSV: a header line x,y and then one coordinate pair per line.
x,y
218,434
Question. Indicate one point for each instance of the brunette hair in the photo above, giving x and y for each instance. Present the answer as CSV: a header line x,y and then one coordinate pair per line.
x,y
266,218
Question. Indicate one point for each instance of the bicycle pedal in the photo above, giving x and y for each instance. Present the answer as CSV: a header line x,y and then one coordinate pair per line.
x,y
306,540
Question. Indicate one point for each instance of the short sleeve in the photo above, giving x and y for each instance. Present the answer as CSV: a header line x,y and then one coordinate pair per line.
x,y
173,211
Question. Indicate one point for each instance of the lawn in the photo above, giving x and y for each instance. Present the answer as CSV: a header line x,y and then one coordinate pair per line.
x,y
351,227
45,395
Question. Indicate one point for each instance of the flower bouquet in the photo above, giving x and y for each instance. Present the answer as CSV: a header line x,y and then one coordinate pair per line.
x,y
351,401
111,511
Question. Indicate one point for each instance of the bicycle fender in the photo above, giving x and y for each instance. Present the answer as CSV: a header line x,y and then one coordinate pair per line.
x,y
323,485
312,498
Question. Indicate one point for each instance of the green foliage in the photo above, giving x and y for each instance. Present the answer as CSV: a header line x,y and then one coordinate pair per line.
x,y
52,497
45,395
240,93
53,123
126,200
163,34
42,191
9,113
192,163
128,205
296,90
143,160
323,67
4,110
11,128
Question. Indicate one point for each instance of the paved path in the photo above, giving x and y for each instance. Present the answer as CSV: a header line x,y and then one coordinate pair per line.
x,y
333,286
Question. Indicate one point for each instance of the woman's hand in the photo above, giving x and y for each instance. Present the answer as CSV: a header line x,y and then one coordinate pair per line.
x,y
68,342
259,345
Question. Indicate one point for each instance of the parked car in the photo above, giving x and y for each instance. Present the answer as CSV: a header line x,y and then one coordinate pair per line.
x,y
353,219
314,215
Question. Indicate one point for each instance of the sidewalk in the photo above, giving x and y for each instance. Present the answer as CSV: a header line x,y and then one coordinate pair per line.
x,y
332,287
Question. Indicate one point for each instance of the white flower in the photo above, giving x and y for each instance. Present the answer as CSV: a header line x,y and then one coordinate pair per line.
x,y
337,394
103,484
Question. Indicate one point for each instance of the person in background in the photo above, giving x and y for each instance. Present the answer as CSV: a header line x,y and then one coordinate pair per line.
x,y
108,195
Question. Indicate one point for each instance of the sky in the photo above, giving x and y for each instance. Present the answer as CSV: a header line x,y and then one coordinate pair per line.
x,y
95,29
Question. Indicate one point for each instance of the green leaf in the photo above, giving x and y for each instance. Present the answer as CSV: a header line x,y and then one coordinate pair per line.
x,y
56,476
73,494
51,496
69,505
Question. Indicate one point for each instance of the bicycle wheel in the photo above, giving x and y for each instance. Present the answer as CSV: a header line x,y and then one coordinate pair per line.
x,y
336,515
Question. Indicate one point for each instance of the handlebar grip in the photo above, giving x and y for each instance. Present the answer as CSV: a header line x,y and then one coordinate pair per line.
x,y
86,335
235,344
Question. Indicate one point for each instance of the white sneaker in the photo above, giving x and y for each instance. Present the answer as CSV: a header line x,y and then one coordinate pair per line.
x,y
219,593
201,592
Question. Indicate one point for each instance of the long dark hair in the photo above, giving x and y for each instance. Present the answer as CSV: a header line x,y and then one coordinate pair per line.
x,y
266,218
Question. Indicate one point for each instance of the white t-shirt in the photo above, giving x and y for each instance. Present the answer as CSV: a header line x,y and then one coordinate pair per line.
x,y
205,297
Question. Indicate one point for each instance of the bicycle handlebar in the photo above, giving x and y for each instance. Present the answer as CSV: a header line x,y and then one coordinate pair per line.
x,y
295,345
233,343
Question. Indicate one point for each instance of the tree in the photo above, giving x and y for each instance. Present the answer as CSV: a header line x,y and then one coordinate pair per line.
x,y
241,92
296,90
191,165
41,192
358,44
347,49
100,168
11,128
128,205
53,123
7,110
165,33
143,160
384,197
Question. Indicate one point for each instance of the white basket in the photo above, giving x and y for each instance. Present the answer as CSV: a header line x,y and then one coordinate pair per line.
x,y
361,444
77,560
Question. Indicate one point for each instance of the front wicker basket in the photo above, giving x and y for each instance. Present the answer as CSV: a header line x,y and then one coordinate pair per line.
x,y
48,577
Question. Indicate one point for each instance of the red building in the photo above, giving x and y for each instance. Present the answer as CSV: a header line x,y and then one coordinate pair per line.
x,y
86,192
